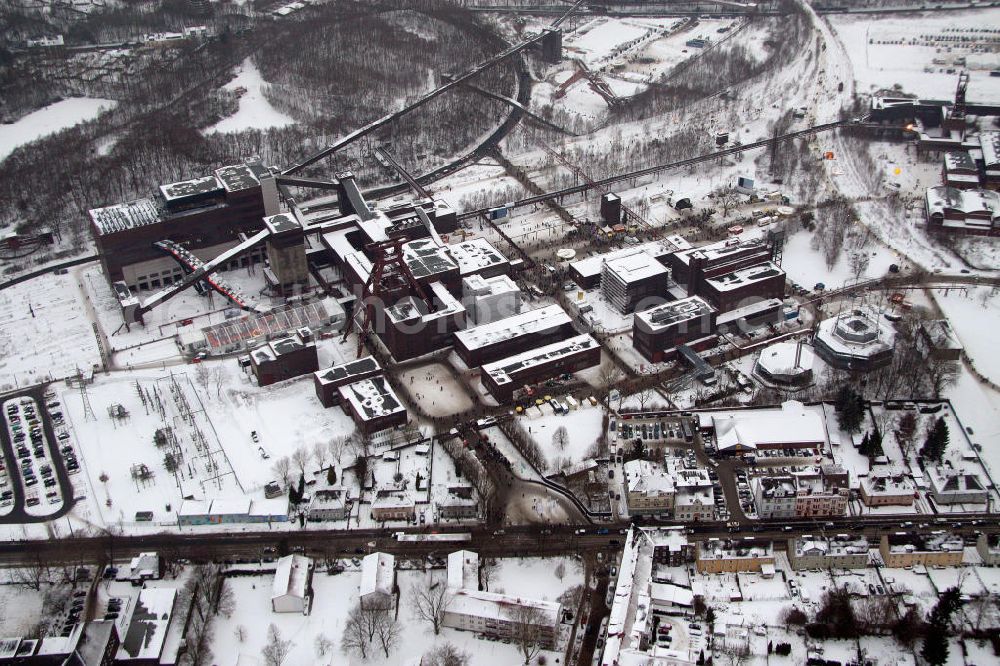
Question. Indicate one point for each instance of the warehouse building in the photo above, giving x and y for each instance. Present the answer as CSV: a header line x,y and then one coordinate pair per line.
x,y
503,378
959,170
291,591
411,329
528,330
587,272
690,268
735,289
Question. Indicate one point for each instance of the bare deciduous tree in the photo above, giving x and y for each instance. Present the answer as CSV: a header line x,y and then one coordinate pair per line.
x,y
301,459
431,602
526,632
488,570
282,467
323,645
560,438
276,650
445,654
387,630
30,576
319,453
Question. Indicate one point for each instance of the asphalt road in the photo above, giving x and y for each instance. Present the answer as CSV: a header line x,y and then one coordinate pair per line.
x,y
201,544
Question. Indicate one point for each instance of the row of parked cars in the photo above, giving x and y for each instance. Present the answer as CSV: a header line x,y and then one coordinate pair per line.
x,y
27,435
25,427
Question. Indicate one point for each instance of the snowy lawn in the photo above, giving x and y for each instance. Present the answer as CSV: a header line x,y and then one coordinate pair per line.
x,y
30,312
49,120
583,426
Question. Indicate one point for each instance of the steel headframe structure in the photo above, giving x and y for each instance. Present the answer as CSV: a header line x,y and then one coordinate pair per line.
x,y
389,276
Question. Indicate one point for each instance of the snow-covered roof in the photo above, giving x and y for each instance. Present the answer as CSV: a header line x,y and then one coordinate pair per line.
x,y
958,160
926,543
492,286
745,276
491,605
941,199
671,313
727,549
144,565
720,249
524,323
644,477
291,577
786,358
989,143
411,308
633,267
372,398
793,423
591,266
393,500
235,506
878,483
378,574
832,546
940,334
501,371
125,216
463,570
190,188
475,255
424,258
338,374
671,595
860,333
147,628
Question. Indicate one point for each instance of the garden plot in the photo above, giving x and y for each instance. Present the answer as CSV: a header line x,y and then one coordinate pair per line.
x,y
30,312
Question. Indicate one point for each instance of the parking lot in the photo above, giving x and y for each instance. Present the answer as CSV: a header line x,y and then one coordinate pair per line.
x,y
39,458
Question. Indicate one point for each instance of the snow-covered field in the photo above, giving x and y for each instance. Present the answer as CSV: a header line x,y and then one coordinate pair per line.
x,y
254,112
49,120
29,314
807,266
899,49
975,315
583,426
